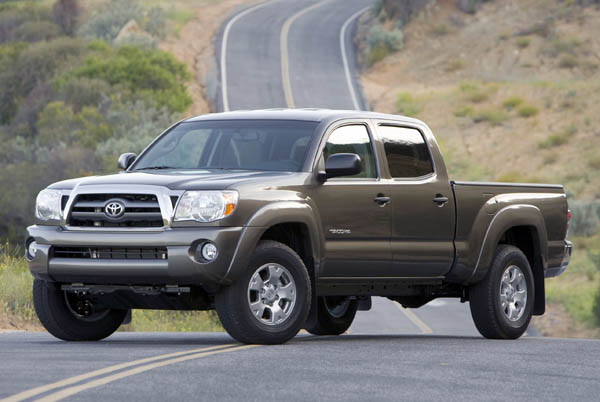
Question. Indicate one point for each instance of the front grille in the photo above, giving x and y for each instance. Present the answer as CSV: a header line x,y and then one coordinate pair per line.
x,y
140,210
111,253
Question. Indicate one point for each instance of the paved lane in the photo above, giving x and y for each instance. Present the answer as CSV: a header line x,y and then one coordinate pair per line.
x,y
349,368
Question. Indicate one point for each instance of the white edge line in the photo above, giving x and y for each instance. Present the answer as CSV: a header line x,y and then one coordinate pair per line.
x,y
345,56
232,21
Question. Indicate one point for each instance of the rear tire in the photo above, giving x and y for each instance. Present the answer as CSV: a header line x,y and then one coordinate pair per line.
x,y
502,302
333,315
270,302
58,316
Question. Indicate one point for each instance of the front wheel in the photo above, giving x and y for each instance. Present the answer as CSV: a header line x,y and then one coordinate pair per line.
x,y
270,302
502,303
332,315
71,318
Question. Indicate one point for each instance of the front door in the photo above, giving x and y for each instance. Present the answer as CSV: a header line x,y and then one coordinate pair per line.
x,y
422,202
356,221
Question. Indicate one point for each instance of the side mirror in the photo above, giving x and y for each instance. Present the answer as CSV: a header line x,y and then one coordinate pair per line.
x,y
338,165
125,160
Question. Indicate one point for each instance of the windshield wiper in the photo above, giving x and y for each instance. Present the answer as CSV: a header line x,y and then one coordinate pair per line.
x,y
156,167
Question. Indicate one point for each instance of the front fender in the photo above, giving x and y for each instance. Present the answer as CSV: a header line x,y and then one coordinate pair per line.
x,y
507,217
270,215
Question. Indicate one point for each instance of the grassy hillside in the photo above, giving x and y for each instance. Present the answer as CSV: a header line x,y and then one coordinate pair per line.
x,y
512,92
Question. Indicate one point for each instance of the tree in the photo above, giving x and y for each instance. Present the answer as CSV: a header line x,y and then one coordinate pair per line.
x,y
66,13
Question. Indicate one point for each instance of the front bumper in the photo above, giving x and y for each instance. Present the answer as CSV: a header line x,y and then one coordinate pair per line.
x,y
180,267
555,271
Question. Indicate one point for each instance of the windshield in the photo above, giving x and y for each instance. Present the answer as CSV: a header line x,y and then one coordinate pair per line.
x,y
272,145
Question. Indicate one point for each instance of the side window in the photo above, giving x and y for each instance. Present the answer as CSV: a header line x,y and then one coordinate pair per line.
x,y
406,151
352,139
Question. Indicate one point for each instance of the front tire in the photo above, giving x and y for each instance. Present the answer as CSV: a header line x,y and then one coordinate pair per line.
x,y
57,313
502,303
333,315
270,302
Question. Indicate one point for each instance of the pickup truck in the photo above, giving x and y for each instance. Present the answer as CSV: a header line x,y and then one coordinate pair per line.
x,y
289,219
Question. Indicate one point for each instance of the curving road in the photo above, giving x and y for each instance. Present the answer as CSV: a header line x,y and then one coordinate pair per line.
x,y
285,53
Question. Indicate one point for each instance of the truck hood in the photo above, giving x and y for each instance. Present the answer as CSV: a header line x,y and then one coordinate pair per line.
x,y
175,180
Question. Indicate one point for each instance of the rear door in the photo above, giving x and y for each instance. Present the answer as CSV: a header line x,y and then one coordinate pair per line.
x,y
423,219
356,227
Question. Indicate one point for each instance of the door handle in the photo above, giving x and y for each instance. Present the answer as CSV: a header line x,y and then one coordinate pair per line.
x,y
440,200
381,200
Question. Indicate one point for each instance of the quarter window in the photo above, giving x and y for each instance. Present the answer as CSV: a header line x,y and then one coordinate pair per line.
x,y
352,139
406,151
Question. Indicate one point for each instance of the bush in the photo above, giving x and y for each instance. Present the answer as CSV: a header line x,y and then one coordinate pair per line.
x,y
512,102
381,42
151,74
568,61
440,30
493,116
106,23
584,218
155,22
555,140
522,42
463,111
82,91
406,105
34,31
528,111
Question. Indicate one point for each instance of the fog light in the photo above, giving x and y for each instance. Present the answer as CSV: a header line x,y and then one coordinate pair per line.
x,y
209,251
31,249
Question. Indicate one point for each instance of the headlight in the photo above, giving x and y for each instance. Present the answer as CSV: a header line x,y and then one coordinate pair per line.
x,y
47,205
206,206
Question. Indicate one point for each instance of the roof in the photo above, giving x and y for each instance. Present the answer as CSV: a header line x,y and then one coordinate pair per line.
x,y
317,115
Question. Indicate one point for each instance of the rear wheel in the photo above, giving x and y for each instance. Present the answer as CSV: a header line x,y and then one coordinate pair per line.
x,y
70,317
270,302
502,303
333,315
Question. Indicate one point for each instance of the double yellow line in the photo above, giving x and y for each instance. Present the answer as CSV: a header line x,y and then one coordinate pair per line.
x,y
73,385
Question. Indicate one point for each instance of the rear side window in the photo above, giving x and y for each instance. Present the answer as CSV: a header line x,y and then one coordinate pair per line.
x,y
406,151
352,139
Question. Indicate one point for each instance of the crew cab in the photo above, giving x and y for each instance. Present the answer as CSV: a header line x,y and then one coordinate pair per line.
x,y
291,219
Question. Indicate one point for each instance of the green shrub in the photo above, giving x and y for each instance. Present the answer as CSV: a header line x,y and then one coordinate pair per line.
x,y
106,23
381,42
82,91
584,218
512,102
453,65
440,30
493,116
152,74
594,162
568,61
34,31
15,285
528,111
522,42
550,158
155,21
463,111
561,138
406,105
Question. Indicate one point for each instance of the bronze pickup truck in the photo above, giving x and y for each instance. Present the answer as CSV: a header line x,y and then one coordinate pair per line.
x,y
291,219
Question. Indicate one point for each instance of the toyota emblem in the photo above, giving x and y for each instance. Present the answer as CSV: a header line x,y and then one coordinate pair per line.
x,y
114,209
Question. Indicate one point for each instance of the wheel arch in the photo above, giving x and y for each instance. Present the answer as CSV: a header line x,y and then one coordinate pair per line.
x,y
291,223
522,226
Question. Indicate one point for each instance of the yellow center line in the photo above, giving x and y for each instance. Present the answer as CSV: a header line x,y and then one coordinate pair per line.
x,y
414,319
64,393
283,44
72,380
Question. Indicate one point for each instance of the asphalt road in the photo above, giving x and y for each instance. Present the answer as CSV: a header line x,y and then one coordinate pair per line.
x,y
346,368
298,53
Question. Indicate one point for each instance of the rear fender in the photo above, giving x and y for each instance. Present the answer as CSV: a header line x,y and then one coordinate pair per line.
x,y
508,217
